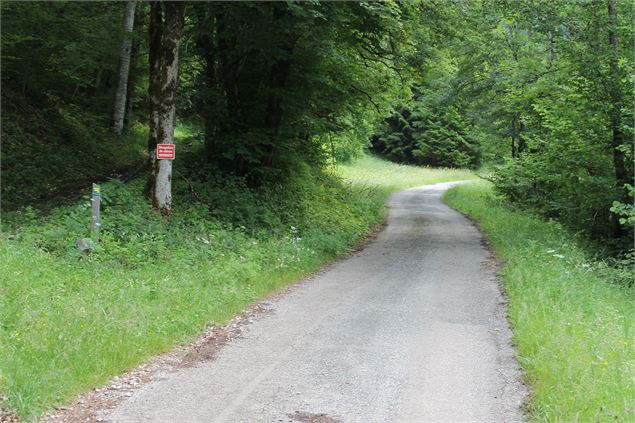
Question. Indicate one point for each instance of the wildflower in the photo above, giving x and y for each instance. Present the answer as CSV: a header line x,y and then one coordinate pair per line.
x,y
203,240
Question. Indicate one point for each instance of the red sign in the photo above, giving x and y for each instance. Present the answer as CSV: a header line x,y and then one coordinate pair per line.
x,y
165,151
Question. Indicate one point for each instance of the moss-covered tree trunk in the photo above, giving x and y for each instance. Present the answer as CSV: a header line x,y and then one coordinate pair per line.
x,y
166,24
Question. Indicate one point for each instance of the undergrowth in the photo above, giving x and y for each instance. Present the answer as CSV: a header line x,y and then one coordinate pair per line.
x,y
50,151
572,317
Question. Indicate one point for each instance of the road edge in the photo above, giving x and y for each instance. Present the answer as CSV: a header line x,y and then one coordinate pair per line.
x,y
497,264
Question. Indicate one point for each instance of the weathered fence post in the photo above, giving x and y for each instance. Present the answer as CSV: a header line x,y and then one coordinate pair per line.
x,y
96,203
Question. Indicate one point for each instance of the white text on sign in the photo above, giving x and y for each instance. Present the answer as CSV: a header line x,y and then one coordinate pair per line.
x,y
165,151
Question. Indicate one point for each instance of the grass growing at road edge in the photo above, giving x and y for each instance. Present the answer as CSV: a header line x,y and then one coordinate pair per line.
x,y
572,319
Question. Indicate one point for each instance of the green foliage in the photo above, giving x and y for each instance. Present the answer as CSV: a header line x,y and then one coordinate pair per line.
x,y
59,154
271,81
627,210
568,181
278,86
286,84
538,91
427,137
64,52
59,64
565,163
572,323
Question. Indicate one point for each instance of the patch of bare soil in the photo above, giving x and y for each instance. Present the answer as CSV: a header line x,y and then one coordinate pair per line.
x,y
7,417
300,416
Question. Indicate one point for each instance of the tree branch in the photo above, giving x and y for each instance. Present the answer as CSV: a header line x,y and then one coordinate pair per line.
x,y
370,98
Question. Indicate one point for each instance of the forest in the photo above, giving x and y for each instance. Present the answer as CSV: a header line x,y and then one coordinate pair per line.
x,y
538,92
270,106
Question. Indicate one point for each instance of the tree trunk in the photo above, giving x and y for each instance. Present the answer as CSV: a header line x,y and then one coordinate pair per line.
x,y
166,23
228,71
617,139
278,75
132,80
206,42
124,68
513,137
133,75
522,141
154,61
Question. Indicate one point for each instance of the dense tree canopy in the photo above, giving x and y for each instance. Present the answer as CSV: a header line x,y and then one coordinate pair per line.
x,y
538,92
541,91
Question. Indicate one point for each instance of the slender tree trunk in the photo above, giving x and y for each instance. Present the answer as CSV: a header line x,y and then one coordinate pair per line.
x,y
124,68
617,139
332,149
522,142
134,72
278,76
513,137
132,79
166,24
228,71
97,83
206,43
154,60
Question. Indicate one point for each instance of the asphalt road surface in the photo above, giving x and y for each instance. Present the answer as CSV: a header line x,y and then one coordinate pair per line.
x,y
410,329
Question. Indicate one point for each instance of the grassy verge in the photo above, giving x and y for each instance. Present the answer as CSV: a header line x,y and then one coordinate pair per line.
x,y
572,318
390,177
69,322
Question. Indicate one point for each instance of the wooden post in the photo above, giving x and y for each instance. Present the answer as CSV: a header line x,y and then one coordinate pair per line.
x,y
96,202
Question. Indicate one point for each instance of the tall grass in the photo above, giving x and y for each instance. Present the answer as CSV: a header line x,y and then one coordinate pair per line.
x,y
68,322
390,177
68,326
573,321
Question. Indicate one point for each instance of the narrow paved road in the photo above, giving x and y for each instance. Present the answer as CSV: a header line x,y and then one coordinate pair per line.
x,y
411,329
